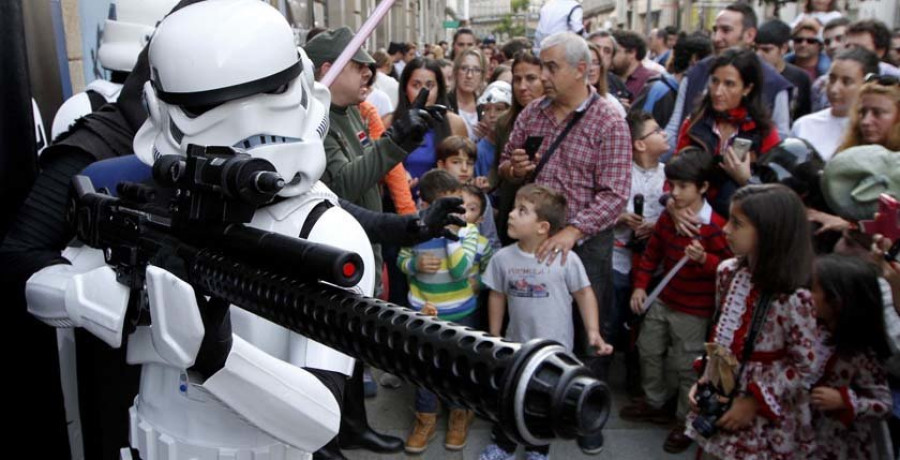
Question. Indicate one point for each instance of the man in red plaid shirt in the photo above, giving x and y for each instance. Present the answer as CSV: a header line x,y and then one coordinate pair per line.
x,y
591,167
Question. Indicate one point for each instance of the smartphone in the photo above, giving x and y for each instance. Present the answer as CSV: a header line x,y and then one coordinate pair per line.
x,y
741,147
532,145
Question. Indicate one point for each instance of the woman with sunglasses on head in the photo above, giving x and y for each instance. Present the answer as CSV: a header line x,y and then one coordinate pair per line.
x,y
876,117
731,113
468,73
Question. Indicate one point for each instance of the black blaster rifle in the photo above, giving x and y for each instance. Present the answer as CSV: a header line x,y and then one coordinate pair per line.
x,y
537,391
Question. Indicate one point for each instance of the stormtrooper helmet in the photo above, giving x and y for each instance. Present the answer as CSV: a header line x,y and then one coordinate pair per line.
x,y
128,29
227,73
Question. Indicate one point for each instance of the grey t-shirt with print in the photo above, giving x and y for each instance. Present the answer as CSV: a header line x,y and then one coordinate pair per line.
x,y
538,296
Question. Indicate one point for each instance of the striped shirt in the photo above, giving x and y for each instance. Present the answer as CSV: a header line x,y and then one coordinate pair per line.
x,y
693,289
448,288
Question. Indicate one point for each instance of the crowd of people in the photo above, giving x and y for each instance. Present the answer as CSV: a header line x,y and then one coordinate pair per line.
x,y
592,164
656,184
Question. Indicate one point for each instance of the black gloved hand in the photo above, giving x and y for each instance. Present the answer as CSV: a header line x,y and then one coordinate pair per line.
x,y
214,313
433,221
409,130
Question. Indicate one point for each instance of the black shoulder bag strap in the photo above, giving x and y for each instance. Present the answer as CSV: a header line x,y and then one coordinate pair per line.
x,y
562,136
760,311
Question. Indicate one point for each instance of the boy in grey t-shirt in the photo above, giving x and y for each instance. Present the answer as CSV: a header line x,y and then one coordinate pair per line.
x,y
539,295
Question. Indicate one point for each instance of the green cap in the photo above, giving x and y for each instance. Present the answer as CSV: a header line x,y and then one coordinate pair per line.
x,y
327,46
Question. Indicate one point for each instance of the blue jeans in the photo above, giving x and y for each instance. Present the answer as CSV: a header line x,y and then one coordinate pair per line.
x,y
426,401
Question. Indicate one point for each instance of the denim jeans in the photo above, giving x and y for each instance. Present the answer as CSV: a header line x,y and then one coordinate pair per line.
x,y
426,401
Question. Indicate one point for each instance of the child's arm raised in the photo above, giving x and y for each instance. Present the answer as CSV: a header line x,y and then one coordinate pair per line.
x,y
461,254
587,306
496,312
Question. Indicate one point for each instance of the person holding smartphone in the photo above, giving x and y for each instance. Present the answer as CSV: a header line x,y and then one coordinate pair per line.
x,y
731,122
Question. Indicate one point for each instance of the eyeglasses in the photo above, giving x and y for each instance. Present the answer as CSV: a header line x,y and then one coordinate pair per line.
x,y
883,80
807,40
836,39
470,70
658,130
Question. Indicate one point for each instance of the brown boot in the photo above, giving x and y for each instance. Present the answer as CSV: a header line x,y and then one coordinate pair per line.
x,y
458,428
422,433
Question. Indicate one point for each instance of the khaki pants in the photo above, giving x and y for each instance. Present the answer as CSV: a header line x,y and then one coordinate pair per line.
x,y
681,335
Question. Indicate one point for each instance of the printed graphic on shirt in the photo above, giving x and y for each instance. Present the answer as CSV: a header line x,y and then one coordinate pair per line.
x,y
521,282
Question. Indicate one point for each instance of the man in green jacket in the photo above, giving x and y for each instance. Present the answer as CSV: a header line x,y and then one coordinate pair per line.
x,y
355,165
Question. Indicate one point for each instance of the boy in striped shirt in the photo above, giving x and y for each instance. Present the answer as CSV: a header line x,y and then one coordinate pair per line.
x,y
677,321
439,273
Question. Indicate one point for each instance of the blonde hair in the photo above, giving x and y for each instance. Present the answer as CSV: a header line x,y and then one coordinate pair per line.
x,y
457,62
854,136
437,51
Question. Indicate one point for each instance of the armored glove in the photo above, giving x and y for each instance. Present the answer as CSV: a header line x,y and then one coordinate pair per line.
x,y
409,131
433,221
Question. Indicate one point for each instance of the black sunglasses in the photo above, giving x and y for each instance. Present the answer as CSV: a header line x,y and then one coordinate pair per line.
x,y
808,41
883,80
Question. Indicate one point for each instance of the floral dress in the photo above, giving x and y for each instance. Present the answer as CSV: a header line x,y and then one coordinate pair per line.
x,y
778,374
848,433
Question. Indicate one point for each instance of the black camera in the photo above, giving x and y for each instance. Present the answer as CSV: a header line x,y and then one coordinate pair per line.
x,y
711,408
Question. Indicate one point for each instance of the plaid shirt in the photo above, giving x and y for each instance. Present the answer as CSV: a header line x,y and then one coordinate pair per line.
x,y
591,166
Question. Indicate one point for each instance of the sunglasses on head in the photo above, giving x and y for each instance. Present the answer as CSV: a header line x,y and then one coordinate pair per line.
x,y
883,80
808,41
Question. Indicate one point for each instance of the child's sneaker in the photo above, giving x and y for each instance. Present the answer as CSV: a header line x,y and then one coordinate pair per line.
x,y
531,455
494,452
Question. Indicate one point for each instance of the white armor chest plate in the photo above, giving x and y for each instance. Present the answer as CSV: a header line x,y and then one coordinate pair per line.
x,y
207,429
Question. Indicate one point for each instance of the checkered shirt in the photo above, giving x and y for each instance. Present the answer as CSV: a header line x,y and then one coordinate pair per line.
x,y
591,166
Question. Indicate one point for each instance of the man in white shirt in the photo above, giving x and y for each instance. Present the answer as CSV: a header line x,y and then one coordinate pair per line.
x,y
826,129
558,16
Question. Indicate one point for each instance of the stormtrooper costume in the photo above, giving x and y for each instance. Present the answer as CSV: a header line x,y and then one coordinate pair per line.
x,y
224,72
125,33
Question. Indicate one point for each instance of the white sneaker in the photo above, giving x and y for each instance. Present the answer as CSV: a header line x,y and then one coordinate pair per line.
x,y
494,452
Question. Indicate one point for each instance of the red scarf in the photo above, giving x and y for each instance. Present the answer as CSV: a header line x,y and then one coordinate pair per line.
x,y
738,117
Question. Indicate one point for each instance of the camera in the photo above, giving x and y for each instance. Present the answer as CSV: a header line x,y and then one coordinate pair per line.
x,y
711,407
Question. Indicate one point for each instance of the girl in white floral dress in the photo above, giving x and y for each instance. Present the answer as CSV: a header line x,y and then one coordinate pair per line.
x,y
854,392
769,416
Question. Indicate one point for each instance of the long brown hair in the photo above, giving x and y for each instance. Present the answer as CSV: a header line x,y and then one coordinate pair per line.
x,y
854,136
601,85
508,119
784,252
